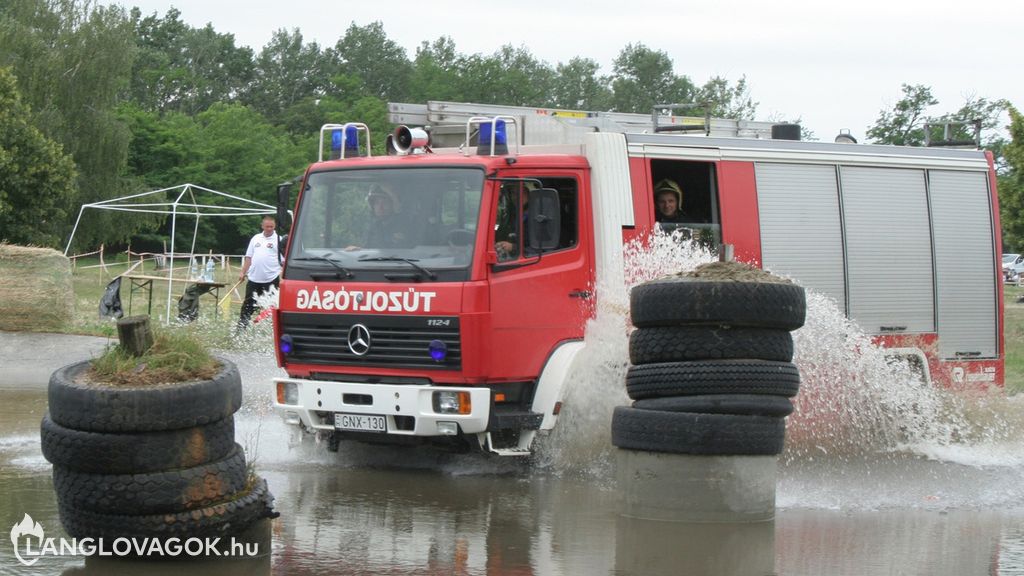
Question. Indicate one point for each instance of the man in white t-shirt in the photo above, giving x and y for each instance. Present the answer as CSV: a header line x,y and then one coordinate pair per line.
x,y
261,266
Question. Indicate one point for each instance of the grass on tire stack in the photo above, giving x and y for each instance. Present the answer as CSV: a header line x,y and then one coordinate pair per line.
x,y
712,370
156,461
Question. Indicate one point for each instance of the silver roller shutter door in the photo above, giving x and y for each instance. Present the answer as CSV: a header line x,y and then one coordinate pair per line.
x,y
801,234
964,264
889,250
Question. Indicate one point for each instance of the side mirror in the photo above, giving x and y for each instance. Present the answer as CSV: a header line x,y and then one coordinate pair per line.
x,y
544,224
284,194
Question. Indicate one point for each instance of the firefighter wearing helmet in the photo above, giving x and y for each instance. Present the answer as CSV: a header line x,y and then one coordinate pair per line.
x,y
668,201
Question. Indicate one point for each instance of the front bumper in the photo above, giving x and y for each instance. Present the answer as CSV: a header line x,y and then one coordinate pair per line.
x,y
407,409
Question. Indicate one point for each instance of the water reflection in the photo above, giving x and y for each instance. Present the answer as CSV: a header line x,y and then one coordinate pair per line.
x,y
375,510
419,522
651,547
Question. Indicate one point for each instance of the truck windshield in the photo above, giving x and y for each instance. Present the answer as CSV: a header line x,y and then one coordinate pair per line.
x,y
381,223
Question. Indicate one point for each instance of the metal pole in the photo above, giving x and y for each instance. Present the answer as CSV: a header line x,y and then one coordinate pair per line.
x,y
195,229
170,271
72,237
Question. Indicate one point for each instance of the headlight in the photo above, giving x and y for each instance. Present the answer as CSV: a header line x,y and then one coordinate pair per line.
x,y
288,393
452,403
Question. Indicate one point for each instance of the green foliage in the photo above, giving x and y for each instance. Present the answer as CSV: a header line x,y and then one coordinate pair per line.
x,y
73,61
288,72
578,84
37,180
437,71
365,52
725,101
184,69
1011,186
904,124
510,76
643,78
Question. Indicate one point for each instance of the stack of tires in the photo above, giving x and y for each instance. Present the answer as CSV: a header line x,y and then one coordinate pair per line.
x,y
150,461
712,369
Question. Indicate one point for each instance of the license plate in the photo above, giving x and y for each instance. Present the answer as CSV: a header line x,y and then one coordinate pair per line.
x,y
361,422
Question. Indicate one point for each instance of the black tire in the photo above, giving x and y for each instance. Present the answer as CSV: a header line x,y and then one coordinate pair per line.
x,y
155,492
713,377
742,404
230,517
135,452
686,343
101,407
691,301
701,434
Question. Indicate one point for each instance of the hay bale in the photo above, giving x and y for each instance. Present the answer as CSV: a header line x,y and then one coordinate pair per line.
x,y
36,294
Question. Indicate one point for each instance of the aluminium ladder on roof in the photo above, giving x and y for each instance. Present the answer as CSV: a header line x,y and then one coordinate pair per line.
x,y
561,126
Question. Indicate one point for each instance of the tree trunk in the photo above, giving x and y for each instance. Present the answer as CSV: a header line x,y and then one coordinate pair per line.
x,y
135,335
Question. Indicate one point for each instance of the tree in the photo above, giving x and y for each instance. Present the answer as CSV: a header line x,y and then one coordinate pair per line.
x,y
380,63
642,78
232,148
185,69
510,76
437,71
904,124
1011,185
37,180
989,113
73,62
160,145
578,84
288,72
725,101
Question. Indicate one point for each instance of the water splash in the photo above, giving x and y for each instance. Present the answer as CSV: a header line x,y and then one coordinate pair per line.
x,y
857,399
580,445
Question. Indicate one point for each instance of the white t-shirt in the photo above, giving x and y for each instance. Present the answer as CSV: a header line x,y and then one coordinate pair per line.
x,y
263,251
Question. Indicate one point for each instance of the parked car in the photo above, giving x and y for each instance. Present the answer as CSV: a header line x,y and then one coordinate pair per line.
x,y
1013,267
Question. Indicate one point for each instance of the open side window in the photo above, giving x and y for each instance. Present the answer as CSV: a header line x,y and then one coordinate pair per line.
x,y
694,188
513,238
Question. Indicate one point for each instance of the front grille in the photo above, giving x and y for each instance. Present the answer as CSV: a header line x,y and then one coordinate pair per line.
x,y
395,341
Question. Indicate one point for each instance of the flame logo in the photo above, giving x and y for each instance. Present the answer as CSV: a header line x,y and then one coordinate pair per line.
x,y
27,527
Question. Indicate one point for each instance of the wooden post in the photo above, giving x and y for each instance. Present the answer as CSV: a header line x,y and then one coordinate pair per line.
x,y
135,334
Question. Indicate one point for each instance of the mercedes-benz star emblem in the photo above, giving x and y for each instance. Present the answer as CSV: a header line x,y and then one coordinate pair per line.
x,y
359,339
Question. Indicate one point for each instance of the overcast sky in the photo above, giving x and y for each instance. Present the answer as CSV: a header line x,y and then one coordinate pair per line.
x,y
833,64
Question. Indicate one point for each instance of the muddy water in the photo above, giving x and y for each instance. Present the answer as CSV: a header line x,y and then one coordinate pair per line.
x,y
374,510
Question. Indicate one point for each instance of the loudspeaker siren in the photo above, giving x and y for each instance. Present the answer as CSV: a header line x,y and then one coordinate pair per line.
x,y
407,139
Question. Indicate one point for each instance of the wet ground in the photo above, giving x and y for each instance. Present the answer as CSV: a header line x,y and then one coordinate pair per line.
x,y
374,510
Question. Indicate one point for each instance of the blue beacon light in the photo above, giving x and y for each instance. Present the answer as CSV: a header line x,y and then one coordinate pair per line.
x,y
500,138
438,350
286,345
351,141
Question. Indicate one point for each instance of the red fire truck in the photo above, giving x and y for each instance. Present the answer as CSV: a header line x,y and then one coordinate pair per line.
x,y
439,294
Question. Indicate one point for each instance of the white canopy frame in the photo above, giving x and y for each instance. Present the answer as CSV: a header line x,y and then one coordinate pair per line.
x,y
184,203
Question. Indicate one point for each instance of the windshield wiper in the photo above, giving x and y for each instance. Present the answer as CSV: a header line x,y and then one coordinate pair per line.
x,y
326,257
409,261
